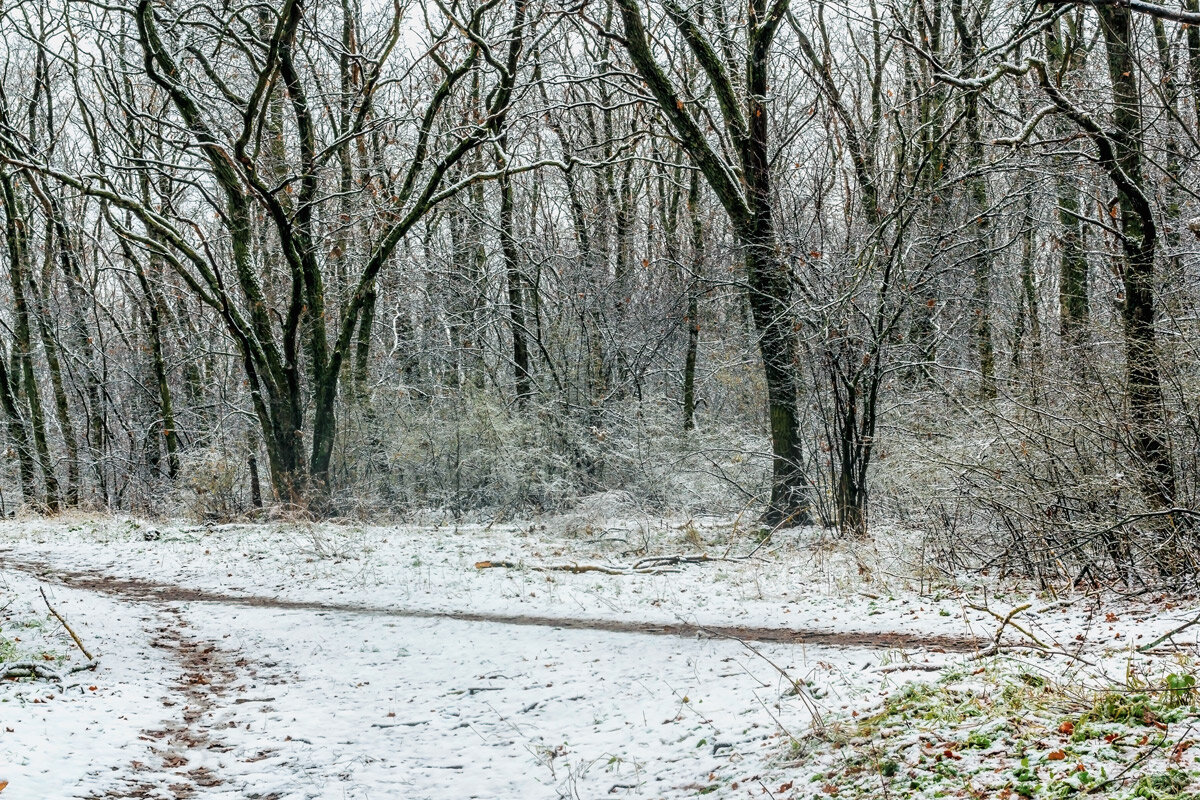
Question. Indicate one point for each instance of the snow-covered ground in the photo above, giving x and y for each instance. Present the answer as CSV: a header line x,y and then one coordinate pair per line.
x,y
340,661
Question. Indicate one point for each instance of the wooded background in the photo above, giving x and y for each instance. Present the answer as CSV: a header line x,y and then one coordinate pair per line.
x,y
924,262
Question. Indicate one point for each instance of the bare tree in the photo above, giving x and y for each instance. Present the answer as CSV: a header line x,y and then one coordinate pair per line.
x,y
743,186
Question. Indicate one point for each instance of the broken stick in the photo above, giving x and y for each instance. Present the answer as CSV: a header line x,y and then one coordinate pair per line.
x,y
75,636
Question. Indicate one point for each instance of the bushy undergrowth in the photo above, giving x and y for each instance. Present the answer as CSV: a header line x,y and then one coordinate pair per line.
x,y
477,454
1003,731
1041,484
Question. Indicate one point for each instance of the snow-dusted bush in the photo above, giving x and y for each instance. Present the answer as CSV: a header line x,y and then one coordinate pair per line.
x,y
1043,484
215,483
476,453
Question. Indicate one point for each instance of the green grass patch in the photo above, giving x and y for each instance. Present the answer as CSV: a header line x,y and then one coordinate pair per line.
x,y
1001,731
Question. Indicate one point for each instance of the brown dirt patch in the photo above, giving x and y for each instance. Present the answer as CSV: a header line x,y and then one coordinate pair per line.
x,y
141,589
206,674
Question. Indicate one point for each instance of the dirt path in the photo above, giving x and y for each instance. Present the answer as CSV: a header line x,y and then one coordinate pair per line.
x,y
145,590
368,701
206,675
175,756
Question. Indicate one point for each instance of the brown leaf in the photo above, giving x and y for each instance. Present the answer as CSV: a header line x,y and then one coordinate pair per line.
x,y
1057,755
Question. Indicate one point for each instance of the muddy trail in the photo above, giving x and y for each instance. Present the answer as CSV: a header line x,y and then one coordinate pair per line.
x,y
180,754
197,695
204,680
145,590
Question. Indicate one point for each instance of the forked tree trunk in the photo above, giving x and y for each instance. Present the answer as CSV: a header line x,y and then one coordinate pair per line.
x,y
748,204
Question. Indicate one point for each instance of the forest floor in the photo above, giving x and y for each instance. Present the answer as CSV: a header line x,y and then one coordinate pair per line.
x,y
573,657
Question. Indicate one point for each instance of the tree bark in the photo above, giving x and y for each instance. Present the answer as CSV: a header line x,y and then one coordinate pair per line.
x,y
1074,306
49,339
692,317
16,233
516,285
748,204
26,467
1140,243
979,257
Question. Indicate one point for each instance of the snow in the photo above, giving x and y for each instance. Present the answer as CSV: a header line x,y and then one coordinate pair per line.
x,y
441,708
795,582
57,745
324,661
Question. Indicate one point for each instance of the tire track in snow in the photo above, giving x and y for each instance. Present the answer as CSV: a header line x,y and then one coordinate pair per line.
x,y
142,589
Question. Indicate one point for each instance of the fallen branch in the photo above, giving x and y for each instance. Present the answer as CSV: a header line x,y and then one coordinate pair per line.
x,y
575,568
914,668
654,565
667,561
78,641
1146,647
13,670
1006,621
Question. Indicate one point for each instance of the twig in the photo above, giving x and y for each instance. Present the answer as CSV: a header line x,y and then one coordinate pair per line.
x,y
1169,634
1149,751
914,667
574,568
1005,621
798,687
75,636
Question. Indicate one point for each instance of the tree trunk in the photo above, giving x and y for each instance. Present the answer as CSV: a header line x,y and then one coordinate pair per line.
x,y
1028,312
97,432
790,501
166,406
770,298
49,340
1193,46
748,203
692,318
1140,241
978,224
516,288
1074,308
16,232
27,468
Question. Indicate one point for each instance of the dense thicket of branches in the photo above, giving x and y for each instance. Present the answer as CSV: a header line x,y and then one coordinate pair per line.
x,y
926,261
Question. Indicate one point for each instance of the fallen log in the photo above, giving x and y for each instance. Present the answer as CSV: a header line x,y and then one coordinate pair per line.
x,y
653,565
12,670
